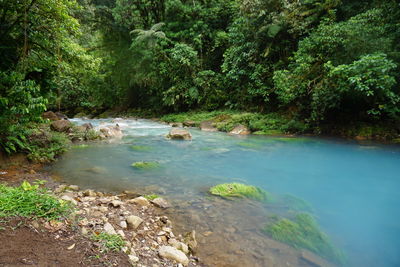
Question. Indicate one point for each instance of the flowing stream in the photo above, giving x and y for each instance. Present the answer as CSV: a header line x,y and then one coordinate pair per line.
x,y
353,190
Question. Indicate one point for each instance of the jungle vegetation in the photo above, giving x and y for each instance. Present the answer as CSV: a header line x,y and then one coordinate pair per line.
x,y
313,62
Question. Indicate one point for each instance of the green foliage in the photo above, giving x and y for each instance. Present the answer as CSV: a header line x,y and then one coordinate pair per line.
x,y
233,190
151,196
109,241
31,201
45,145
303,232
342,66
146,165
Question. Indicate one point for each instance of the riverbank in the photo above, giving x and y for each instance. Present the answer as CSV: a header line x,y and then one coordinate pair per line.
x,y
275,124
97,228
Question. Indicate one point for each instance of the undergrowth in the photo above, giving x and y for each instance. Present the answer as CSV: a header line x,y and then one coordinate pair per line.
x,y
31,201
268,124
109,241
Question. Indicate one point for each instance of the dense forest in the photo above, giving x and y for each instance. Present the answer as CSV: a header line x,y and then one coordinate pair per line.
x,y
316,62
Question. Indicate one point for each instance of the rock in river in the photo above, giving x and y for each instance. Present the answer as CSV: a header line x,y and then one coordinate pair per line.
x,y
240,130
160,202
172,253
179,134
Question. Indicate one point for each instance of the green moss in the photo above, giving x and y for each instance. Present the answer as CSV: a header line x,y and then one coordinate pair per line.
x,y
232,190
141,148
303,232
145,165
151,196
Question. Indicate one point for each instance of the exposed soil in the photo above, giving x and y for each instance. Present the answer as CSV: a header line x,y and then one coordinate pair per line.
x,y
24,245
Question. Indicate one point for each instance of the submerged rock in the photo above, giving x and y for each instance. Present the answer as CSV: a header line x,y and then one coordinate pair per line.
x,y
172,253
145,165
179,134
190,240
240,130
61,125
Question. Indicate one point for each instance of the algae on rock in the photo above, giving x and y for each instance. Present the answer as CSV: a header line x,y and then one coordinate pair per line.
x,y
231,190
145,165
303,232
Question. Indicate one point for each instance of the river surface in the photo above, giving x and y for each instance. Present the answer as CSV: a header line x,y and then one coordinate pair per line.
x,y
354,190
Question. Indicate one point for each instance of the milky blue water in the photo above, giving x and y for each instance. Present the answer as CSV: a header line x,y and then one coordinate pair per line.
x,y
354,189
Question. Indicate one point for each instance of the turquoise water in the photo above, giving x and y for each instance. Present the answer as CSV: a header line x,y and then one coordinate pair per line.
x,y
353,189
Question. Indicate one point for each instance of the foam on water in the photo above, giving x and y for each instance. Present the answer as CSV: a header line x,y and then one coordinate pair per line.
x,y
354,189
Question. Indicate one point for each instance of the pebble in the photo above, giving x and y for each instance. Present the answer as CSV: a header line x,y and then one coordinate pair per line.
x,y
109,229
123,224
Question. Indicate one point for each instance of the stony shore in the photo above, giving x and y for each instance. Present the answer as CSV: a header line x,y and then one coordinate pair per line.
x,y
149,238
147,233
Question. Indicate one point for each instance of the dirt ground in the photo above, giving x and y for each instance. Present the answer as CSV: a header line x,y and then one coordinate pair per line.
x,y
24,245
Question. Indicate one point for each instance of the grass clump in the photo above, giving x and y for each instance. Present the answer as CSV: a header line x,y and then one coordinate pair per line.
x,y
109,241
145,165
151,196
141,148
31,201
231,190
303,232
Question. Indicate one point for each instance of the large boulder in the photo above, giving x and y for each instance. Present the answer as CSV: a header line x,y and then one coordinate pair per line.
x,y
61,125
111,131
172,253
208,126
179,134
50,115
240,130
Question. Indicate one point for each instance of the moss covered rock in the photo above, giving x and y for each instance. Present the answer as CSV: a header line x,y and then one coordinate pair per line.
x,y
145,165
232,190
303,232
